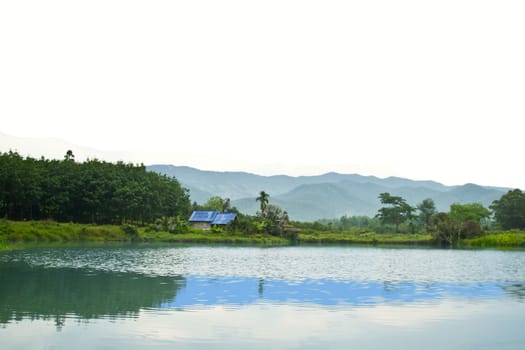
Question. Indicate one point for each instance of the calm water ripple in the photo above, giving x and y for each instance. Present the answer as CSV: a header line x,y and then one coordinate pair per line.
x,y
286,297
292,263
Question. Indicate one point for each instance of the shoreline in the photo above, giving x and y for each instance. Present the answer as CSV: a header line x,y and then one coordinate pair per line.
x,y
37,233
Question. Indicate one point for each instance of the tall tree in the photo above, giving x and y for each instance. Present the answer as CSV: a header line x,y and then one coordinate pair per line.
x,y
468,217
445,230
69,155
217,203
396,211
264,199
276,219
509,210
426,209
475,212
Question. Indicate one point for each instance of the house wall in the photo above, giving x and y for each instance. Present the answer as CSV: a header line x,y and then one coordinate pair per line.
x,y
201,225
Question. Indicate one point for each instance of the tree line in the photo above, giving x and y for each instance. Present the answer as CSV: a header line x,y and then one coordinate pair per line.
x,y
461,221
93,191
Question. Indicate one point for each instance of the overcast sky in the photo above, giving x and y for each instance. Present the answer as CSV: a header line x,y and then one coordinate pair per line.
x,y
418,89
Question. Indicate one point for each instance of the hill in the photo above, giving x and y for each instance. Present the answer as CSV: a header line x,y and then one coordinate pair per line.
x,y
305,198
331,195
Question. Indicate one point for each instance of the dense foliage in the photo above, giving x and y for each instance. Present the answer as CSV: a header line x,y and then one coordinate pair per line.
x,y
509,210
396,210
426,209
90,192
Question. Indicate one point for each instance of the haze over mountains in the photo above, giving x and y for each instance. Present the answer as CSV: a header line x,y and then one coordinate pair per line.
x,y
305,198
332,195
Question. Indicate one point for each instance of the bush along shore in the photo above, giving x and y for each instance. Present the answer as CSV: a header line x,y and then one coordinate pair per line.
x,y
16,232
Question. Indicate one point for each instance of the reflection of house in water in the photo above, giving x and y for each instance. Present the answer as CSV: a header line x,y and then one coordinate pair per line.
x,y
205,219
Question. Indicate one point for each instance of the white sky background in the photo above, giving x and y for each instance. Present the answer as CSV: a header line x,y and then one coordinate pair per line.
x,y
419,89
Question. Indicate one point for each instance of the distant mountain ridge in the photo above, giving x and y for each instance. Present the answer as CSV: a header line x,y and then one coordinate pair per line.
x,y
331,195
306,198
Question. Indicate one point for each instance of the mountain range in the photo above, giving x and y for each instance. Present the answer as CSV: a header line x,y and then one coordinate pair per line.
x,y
305,198
331,195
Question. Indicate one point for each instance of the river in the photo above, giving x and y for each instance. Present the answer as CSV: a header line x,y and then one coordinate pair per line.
x,y
166,297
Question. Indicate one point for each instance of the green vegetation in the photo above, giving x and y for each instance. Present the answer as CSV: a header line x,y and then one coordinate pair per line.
x,y
204,237
427,209
90,192
13,232
49,231
64,201
509,210
467,225
264,199
365,238
64,232
215,203
509,239
396,211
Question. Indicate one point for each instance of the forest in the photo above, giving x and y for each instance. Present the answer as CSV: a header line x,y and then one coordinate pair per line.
x,y
93,191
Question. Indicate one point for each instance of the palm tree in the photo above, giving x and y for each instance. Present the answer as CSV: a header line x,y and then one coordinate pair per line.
x,y
264,199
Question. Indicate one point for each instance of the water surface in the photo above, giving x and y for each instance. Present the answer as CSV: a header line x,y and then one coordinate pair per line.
x,y
286,297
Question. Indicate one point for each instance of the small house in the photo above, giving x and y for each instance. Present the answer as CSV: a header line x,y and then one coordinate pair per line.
x,y
224,218
205,219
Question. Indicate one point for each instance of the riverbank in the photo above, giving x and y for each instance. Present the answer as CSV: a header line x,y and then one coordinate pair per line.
x,y
13,232
365,238
503,239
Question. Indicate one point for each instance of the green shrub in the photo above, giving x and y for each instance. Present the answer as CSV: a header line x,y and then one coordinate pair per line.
x,y
217,230
502,239
130,231
4,227
83,234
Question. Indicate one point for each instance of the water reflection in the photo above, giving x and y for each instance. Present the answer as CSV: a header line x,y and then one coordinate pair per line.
x,y
516,290
216,291
287,298
59,293
87,284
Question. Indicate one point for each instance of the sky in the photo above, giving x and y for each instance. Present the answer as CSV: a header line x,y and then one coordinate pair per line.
x,y
417,89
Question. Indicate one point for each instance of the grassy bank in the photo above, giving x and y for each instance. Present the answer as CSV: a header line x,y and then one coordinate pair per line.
x,y
365,238
48,231
3,246
508,239
206,237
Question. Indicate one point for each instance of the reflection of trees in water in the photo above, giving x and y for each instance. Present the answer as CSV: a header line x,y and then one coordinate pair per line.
x,y
54,293
260,288
516,291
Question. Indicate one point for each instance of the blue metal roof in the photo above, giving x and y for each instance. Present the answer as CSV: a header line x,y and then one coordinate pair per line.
x,y
224,218
203,216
